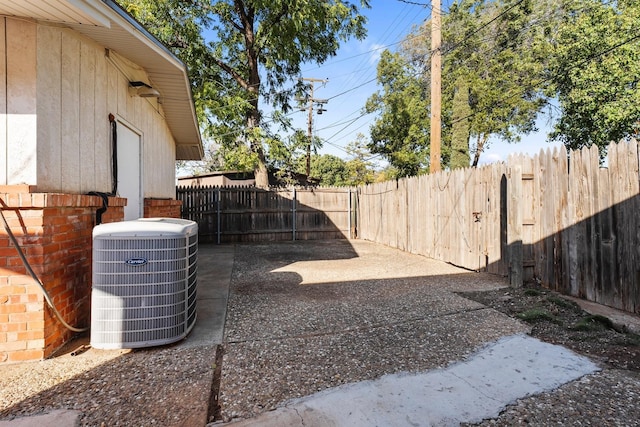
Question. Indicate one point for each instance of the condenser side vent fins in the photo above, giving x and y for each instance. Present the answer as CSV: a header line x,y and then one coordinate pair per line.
x,y
144,282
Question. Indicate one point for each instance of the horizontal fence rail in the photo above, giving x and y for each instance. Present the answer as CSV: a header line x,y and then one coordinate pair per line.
x,y
249,214
558,218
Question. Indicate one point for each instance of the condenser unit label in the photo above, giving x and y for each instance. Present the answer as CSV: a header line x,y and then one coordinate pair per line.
x,y
136,261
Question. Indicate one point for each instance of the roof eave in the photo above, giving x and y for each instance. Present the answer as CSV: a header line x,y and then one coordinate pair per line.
x,y
187,148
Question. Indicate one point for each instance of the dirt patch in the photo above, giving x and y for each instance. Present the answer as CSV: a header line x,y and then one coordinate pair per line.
x,y
557,320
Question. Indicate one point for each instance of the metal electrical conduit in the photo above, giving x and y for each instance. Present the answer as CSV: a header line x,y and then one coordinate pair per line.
x,y
47,297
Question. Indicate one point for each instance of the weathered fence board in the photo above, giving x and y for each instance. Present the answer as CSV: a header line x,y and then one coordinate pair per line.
x,y
561,220
555,218
249,214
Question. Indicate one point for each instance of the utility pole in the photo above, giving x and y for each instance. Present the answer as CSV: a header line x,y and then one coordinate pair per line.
x,y
320,103
436,84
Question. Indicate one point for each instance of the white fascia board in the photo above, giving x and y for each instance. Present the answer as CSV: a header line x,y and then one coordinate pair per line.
x,y
91,11
125,21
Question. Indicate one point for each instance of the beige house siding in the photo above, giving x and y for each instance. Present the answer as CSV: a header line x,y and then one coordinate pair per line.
x,y
3,106
63,87
59,87
158,161
19,96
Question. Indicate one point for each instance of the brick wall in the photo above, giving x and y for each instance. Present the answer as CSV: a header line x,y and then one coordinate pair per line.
x,y
55,233
162,208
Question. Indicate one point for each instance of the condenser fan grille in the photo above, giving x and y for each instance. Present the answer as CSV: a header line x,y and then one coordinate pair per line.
x,y
144,283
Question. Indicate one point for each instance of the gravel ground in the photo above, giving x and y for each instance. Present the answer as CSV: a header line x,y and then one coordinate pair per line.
x,y
306,316
163,386
607,398
303,317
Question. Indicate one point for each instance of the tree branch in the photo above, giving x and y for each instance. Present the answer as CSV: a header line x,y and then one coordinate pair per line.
x,y
237,77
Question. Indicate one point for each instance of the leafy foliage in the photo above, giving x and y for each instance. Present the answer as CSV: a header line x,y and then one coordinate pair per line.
x,y
401,133
360,168
497,48
240,52
596,73
494,53
329,170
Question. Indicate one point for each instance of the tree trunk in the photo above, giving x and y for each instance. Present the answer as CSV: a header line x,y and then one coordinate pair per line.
x,y
260,171
482,139
247,15
261,174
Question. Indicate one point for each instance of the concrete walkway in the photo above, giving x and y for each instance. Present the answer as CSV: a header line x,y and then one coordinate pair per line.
x,y
214,276
480,387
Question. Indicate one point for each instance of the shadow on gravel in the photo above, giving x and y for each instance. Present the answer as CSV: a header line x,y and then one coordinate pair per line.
x,y
307,316
154,386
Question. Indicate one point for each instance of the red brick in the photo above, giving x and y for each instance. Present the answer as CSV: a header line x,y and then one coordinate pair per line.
x,y
34,231
12,289
31,298
33,288
20,281
12,309
34,306
25,355
12,327
36,344
36,325
29,335
25,317
16,188
14,345
51,248
30,221
8,251
39,199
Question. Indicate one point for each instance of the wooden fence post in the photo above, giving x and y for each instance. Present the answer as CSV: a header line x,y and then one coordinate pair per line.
x,y
218,209
293,211
514,226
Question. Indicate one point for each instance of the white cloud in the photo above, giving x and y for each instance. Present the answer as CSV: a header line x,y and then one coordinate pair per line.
x,y
375,51
486,158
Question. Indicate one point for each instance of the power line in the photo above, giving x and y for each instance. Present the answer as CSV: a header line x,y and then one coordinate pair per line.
x,y
486,24
574,66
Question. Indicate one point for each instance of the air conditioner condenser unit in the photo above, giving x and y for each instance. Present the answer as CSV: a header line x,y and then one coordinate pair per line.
x,y
144,282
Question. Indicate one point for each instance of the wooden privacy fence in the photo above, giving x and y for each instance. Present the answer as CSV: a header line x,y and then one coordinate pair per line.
x,y
560,220
249,214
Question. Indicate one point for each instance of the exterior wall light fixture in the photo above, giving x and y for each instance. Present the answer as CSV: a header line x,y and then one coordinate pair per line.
x,y
142,90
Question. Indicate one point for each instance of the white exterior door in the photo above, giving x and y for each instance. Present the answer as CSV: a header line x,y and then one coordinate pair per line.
x,y
129,171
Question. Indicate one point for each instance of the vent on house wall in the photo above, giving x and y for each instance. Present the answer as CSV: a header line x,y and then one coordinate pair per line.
x,y
144,282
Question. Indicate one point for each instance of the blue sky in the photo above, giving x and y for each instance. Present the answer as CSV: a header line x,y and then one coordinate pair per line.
x,y
351,80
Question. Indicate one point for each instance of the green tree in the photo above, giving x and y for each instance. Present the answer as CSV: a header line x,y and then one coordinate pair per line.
x,y
242,52
494,56
460,128
286,156
401,132
328,169
596,73
359,166
498,48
